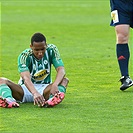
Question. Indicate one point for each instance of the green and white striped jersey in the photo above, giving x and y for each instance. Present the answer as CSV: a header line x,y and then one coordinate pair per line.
x,y
40,70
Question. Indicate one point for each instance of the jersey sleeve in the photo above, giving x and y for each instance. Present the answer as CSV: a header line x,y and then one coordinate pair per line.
x,y
23,62
56,59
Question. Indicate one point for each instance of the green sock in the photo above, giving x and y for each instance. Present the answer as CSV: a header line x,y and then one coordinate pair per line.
x,y
5,91
61,89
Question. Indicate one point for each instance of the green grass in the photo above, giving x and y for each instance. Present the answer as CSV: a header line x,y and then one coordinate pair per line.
x,y
86,43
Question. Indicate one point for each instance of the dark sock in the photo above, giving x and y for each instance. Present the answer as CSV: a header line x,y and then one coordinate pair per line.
x,y
123,55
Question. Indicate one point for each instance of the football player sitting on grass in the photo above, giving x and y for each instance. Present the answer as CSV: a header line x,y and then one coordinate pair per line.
x,y
35,85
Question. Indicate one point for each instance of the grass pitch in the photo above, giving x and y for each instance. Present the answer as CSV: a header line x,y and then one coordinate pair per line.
x,y
86,43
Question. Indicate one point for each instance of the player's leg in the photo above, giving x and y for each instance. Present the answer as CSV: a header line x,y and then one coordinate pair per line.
x,y
9,93
122,33
123,54
62,88
63,85
57,98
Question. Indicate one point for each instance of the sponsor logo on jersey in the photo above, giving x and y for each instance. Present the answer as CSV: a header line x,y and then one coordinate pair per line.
x,y
40,75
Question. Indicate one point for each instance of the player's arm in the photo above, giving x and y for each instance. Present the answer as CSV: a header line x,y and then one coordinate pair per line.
x,y
23,63
59,66
38,98
59,77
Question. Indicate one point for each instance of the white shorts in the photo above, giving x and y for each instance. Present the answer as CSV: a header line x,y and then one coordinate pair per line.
x,y
28,97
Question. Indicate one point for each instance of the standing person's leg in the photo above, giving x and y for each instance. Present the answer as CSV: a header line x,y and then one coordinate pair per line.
x,y
123,54
9,93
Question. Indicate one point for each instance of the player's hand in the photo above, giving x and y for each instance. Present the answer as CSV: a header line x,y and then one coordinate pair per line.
x,y
38,99
54,89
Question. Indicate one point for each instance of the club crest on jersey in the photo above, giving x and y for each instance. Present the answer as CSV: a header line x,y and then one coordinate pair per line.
x,y
45,62
40,75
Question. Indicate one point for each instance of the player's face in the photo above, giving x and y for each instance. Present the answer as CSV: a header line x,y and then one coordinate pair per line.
x,y
39,49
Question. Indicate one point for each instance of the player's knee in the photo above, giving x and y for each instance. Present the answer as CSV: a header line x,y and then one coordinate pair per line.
x,y
122,38
3,80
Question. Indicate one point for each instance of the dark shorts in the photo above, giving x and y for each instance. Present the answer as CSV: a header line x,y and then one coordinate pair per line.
x,y
121,12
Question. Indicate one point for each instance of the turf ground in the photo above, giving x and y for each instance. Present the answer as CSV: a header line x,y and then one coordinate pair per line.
x,y
86,43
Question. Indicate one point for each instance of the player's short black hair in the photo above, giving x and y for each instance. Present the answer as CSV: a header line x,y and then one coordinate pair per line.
x,y
38,37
